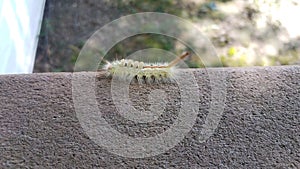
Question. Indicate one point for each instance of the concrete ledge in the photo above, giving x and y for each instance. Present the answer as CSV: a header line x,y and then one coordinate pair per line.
x,y
259,127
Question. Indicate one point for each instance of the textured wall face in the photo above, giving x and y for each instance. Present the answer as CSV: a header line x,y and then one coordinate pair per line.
x,y
259,127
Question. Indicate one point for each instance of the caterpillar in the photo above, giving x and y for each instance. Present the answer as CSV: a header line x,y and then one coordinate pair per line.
x,y
127,69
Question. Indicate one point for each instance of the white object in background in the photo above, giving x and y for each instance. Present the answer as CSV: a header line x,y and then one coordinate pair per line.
x,y
20,23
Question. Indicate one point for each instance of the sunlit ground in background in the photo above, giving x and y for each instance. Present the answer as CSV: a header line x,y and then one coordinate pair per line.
x,y
255,33
244,33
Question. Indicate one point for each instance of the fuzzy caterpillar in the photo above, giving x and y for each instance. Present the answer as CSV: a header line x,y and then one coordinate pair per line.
x,y
127,69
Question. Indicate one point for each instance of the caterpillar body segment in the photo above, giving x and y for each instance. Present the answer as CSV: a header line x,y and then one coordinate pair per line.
x,y
141,72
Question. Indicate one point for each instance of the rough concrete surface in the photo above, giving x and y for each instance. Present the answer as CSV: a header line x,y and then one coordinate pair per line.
x,y
259,127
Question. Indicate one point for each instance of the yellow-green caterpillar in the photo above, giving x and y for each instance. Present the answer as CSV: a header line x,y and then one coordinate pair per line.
x,y
127,69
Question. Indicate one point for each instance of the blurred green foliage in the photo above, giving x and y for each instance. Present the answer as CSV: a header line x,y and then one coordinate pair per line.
x,y
192,11
181,8
140,42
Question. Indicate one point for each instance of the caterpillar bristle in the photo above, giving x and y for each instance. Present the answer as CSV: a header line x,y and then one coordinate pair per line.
x,y
143,73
